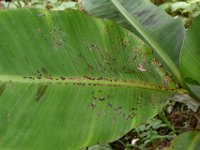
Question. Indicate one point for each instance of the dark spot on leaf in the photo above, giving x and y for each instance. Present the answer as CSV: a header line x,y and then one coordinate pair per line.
x,y
101,98
44,71
31,78
2,88
124,115
120,107
110,105
26,60
62,78
94,97
139,14
149,20
133,109
41,91
93,105
130,117
90,67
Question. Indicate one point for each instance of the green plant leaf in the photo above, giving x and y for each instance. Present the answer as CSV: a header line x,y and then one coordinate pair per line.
x,y
159,30
68,81
99,147
188,140
189,59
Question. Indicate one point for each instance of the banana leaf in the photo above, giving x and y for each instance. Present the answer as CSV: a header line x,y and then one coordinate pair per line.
x,y
188,140
68,80
189,59
161,31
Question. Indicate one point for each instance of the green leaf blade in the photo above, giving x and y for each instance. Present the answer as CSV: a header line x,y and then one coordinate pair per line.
x,y
159,30
66,82
189,59
188,140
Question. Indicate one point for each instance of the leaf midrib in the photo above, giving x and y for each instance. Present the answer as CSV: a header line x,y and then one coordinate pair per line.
x,y
86,81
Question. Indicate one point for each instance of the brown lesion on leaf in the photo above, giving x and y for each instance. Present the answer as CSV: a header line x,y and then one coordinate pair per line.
x,y
41,91
2,88
150,20
57,38
93,46
92,105
141,13
90,67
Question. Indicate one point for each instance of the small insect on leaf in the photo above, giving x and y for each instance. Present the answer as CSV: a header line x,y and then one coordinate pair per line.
x,y
140,67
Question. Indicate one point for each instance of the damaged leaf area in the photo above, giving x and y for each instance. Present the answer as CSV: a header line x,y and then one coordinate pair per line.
x,y
67,81
161,31
167,31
